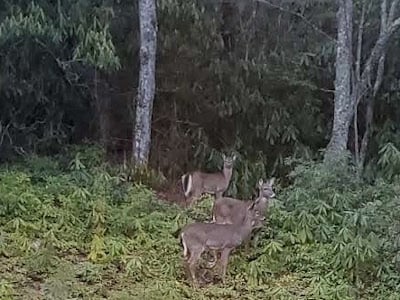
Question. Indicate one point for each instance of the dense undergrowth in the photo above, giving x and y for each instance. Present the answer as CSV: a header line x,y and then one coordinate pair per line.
x,y
71,227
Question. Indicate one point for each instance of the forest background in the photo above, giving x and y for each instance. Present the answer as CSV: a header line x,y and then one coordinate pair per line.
x,y
289,86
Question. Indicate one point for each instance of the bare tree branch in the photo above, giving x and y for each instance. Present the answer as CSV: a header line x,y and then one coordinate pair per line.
x,y
384,17
359,41
379,75
377,51
388,26
327,90
393,26
392,11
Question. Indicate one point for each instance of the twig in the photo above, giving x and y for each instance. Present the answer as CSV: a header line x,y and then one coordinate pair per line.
x,y
327,90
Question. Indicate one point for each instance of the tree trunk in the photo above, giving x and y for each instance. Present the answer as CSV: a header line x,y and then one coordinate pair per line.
x,y
343,101
376,60
370,111
101,101
146,89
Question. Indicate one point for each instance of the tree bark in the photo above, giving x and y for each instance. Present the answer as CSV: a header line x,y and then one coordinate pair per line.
x,y
357,79
370,111
345,98
344,107
377,60
146,89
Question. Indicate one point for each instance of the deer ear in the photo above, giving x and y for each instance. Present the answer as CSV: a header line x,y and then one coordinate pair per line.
x,y
271,181
260,182
223,156
234,157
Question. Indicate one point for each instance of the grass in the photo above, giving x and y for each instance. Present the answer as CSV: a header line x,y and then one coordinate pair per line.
x,y
72,228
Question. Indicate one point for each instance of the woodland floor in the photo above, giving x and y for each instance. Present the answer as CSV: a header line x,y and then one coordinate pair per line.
x,y
70,231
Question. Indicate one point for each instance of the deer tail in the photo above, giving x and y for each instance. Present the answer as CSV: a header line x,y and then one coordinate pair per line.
x,y
187,182
185,249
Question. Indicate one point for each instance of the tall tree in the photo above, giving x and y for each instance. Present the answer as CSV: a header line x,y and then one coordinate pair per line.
x,y
353,84
376,63
343,105
146,89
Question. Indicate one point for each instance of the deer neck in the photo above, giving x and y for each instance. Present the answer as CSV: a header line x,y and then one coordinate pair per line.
x,y
262,203
246,228
227,171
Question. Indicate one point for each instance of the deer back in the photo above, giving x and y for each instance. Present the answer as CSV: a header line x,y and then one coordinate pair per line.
x,y
199,182
209,182
227,210
219,236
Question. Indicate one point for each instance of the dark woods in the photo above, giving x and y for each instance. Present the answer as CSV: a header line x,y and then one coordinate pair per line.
x,y
253,77
282,88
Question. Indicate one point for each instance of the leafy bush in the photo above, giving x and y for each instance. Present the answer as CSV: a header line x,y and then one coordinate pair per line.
x,y
77,230
345,228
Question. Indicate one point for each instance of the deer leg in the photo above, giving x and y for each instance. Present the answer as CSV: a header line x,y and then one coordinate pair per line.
x,y
211,263
192,263
186,256
224,261
188,274
205,276
218,195
247,244
194,197
251,240
189,201
255,238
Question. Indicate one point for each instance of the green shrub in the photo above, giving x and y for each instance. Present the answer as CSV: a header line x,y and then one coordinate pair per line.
x,y
83,232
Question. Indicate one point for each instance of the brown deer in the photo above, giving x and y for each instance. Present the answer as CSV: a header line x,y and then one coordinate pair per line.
x,y
199,237
228,210
196,183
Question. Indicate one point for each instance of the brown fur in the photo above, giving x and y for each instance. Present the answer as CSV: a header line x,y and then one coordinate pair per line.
x,y
197,183
199,237
228,210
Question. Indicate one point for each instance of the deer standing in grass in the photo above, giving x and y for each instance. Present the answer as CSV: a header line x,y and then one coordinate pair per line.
x,y
228,210
199,237
196,183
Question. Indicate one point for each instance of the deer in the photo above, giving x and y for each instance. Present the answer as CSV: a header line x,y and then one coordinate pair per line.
x,y
196,183
227,210
199,237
